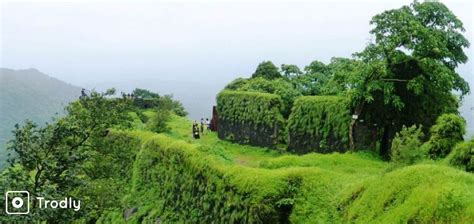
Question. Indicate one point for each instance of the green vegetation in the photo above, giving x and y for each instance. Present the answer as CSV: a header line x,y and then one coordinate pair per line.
x,y
250,118
462,156
406,76
143,99
209,180
158,121
140,176
280,87
406,146
316,120
250,107
266,70
445,134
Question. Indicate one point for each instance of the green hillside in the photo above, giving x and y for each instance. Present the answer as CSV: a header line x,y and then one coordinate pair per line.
x,y
30,94
179,179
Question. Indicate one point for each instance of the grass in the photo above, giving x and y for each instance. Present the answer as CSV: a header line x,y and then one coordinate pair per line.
x,y
336,188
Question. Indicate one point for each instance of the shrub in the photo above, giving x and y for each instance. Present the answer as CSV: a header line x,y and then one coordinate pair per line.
x,y
463,156
406,146
158,121
448,130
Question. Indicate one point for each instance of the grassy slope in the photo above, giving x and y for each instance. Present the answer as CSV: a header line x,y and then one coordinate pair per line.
x,y
336,187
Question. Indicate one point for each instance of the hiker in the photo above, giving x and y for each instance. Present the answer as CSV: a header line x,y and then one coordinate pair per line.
x,y
202,125
195,130
208,124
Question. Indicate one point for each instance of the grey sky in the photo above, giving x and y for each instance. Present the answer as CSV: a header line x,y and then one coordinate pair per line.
x,y
97,44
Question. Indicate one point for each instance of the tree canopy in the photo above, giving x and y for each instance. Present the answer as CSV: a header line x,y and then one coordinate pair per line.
x,y
267,70
407,75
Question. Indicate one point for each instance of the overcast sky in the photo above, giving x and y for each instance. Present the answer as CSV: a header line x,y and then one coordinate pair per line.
x,y
95,42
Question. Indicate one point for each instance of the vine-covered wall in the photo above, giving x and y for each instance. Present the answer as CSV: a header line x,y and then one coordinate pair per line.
x,y
250,117
319,124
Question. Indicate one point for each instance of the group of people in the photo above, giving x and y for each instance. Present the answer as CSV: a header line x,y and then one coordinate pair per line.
x,y
198,130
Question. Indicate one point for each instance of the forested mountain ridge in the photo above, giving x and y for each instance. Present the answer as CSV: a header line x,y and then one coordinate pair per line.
x,y
30,94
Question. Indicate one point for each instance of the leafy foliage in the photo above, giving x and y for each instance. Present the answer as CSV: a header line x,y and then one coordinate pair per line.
x,y
236,84
463,156
144,93
313,80
158,121
250,118
250,107
406,146
445,134
267,70
279,87
319,118
407,74
147,99
290,71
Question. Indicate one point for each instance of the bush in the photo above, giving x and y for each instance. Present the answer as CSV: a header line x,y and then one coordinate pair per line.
x,y
158,121
445,134
463,156
406,146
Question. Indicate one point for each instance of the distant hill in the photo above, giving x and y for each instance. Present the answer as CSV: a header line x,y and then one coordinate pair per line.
x,y
30,94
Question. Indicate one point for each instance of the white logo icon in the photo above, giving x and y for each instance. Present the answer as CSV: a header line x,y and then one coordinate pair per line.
x,y
17,202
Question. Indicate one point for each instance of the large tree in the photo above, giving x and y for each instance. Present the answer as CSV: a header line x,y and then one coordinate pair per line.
x,y
407,75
